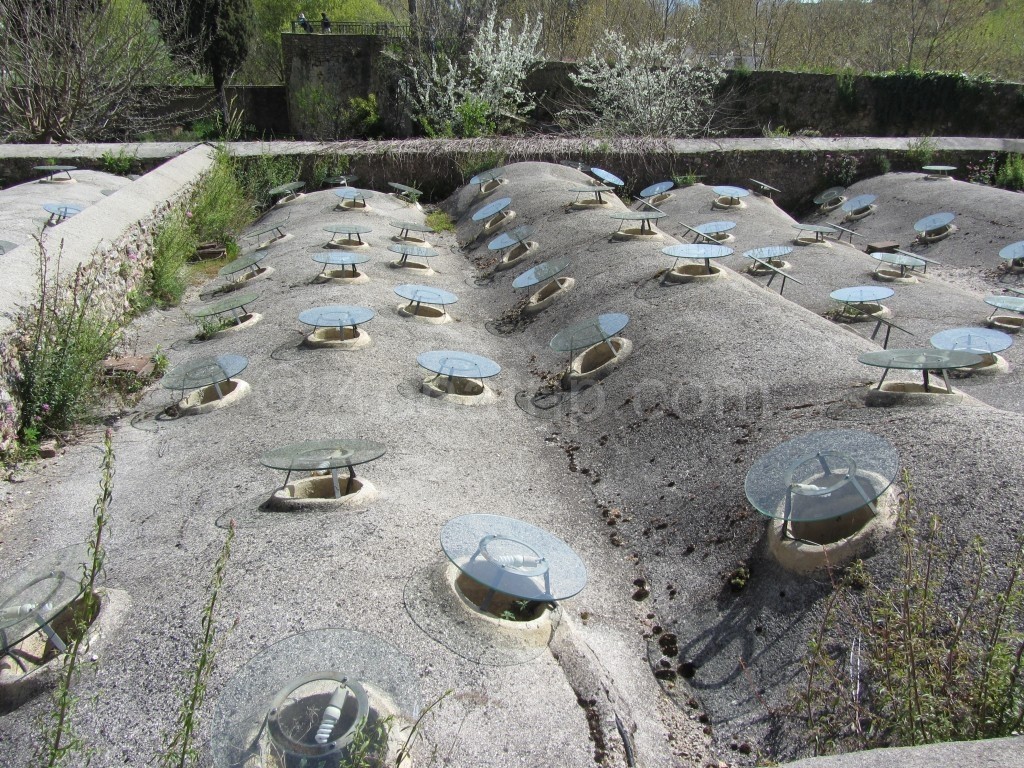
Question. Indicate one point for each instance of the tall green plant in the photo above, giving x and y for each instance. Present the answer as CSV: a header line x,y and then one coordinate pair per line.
x,y
60,744
1011,173
64,339
179,746
933,654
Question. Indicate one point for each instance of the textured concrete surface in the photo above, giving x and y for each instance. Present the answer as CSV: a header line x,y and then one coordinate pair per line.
x,y
642,475
103,220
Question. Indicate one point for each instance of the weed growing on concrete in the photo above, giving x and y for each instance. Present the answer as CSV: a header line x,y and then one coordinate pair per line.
x,y
119,163
687,179
440,221
219,205
179,746
921,151
327,165
62,340
258,175
781,132
211,326
934,654
59,740
1011,173
173,245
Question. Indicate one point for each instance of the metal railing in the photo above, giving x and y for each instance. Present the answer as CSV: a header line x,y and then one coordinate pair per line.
x,y
376,28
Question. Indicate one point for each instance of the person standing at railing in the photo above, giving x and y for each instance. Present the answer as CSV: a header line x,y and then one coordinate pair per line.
x,y
304,23
325,23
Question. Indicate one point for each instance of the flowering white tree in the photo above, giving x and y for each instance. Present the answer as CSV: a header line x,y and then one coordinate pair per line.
x,y
484,93
650,90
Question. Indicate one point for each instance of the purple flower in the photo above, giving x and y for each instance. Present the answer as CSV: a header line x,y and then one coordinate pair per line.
x,y
45,407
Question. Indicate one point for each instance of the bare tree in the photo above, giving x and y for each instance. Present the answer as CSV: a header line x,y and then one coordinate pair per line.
x,y
79,71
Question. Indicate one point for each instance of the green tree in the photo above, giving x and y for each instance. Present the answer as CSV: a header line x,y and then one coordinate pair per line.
x,y
74,71
216,32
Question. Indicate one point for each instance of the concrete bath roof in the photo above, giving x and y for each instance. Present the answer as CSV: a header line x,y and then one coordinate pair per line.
x,y
642,475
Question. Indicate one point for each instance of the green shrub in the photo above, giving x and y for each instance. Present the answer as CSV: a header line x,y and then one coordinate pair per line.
x,y
120,163
361,120
472,163
173,245
921,151
219,207
932,654
328,165
841,168
63,341
1011,173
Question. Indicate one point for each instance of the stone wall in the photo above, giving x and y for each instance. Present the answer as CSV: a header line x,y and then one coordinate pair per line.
x,y
326,70
108,246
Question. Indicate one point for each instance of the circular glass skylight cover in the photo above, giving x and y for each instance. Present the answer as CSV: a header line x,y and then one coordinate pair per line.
x,y
225,305
337,316
768,252
830,195
656,189
245,262
1013,252
697,251
899,259
340,258
461,365
540,273
419,251
589,332
204,371
488,176
821,475
35,593
607,177
54,168
425,294
933,222
348,229
411,226
856,203
920,359
638,215
239,726
511,238
939,168
820,229
405,189
862,294
492,209
312,455
287,189
730,191
513,558
714,227
980,341
1012,303
63,210
352,193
